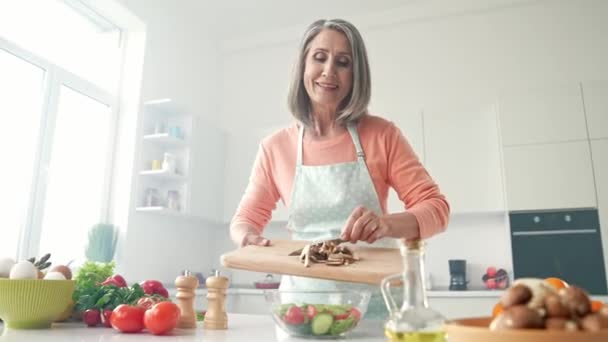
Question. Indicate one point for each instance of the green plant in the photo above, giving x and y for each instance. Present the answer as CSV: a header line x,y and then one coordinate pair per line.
x,y
102,242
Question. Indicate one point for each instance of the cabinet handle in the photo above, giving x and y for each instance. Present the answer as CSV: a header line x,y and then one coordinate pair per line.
x,y
556,232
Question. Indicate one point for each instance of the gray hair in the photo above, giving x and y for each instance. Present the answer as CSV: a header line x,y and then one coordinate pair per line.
x,y
354,105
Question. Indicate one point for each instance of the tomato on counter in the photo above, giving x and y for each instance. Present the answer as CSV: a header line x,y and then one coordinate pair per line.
x,y
127,318
162,318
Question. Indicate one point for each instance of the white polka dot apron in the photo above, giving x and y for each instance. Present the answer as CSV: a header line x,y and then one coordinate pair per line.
x,y
322,199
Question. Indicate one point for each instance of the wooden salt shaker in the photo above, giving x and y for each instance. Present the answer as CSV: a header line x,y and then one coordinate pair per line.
x,y
216,317
186,287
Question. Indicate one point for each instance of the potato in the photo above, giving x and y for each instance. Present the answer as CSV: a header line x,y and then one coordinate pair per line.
x,y
555,307
594,322
576,300
67,273
518,317
560,323
516,295
539,290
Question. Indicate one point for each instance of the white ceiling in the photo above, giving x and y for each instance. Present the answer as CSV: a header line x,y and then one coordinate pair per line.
x,y
230,19
240,17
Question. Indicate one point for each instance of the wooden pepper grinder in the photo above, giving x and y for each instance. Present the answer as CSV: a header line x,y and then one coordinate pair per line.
x,y
216,317
186,287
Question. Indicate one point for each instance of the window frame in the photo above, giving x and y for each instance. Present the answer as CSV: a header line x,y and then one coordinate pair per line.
x,y
54,78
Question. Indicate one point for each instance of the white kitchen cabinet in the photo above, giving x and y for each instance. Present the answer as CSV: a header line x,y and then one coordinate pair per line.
x,y
542,115
463,156
596,108
549,176
599,149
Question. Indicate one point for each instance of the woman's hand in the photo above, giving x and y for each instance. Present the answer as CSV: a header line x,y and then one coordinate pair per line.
x,y
245,235
254,239
364,225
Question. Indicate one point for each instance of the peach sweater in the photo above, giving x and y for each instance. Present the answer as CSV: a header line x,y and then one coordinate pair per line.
x,y
390,159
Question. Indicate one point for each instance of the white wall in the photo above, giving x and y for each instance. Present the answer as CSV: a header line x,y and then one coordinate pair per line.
x,y
421,55
180,63
424,53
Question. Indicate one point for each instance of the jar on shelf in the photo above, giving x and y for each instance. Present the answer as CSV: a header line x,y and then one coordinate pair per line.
x,y
173,199
152,198
169,163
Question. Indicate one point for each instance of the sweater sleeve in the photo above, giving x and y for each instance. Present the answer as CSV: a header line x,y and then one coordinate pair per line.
x,y
414,185
261,194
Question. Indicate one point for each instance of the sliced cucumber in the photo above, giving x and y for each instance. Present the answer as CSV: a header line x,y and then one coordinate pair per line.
x,y
321,323
340,326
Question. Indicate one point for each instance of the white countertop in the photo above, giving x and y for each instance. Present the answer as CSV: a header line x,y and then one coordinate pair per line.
x,y
443,293
240,328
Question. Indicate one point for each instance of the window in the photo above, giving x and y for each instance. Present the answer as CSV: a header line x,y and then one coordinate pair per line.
x,y
60,96
20,80
75,197
67,33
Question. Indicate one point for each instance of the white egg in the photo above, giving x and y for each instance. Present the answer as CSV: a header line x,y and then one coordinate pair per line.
x,y
5,267
24,270
54,276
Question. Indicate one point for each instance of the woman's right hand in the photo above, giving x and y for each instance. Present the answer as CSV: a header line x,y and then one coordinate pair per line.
x,y
245,235
254,239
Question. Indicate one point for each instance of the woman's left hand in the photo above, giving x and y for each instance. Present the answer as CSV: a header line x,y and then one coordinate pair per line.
x,y
364,225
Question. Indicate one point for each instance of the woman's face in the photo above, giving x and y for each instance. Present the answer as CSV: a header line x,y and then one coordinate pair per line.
x,y
328,71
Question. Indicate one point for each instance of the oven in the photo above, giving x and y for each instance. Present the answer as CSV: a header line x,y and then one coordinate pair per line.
x,y
563,243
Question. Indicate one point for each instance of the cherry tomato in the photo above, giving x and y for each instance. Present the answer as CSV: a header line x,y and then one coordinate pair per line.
x,y
311,311
294,315
162,318
342,316
355,313
127,318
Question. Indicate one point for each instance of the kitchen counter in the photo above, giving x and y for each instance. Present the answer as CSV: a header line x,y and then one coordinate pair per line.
x,y
241,327
242,289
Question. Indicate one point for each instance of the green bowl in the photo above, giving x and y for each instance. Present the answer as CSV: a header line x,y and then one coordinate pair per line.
x,y
33,303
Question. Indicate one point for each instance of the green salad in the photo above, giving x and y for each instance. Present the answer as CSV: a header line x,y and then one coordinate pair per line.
x,y
317,319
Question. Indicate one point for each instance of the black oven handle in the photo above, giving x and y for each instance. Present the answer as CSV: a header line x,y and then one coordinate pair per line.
x,y
555,232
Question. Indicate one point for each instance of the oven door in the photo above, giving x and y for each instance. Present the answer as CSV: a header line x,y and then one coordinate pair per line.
x,y
560,243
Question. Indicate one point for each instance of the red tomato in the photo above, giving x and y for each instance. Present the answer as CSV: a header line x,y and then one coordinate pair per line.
x,y
342,316
127,318
355,313
162,318
294,315
311,312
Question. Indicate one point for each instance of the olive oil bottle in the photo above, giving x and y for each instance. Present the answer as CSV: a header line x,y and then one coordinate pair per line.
x,y
414,321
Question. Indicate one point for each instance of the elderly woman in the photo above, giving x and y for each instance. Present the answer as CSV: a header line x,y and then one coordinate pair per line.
x,y
334,166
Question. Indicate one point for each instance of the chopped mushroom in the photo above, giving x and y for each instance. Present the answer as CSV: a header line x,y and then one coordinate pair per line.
x,y
329,252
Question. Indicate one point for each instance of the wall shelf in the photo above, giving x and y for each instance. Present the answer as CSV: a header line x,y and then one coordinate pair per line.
x,y
163,175
166,136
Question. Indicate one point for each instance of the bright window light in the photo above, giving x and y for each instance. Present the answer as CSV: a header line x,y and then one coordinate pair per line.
x,y
21,90
67,33
76,175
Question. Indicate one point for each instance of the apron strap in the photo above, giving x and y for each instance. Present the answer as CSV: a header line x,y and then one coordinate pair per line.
x,y
300,138
352,129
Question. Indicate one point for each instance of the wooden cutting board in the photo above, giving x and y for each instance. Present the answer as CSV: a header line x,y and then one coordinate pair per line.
x,y
375,263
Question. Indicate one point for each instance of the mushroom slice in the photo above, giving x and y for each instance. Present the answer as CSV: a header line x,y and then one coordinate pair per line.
x,y
305,255
335,263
